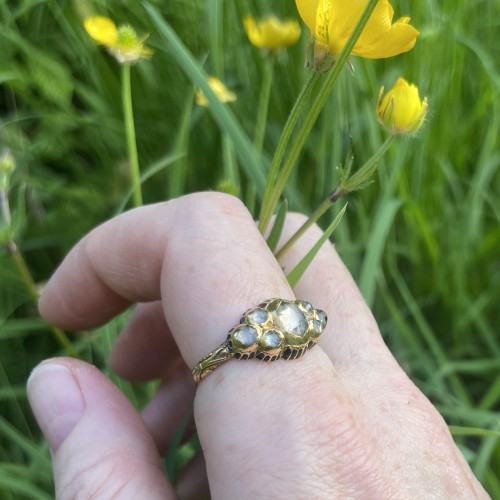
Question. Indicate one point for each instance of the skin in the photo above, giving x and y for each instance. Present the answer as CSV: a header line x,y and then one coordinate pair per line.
x,y
344,421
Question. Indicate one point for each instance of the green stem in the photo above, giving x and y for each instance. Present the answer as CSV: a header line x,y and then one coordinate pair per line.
x,y
128,114
267,209
260,125
265,93
23,270
231,172
352,183
313,113
325,205
30,285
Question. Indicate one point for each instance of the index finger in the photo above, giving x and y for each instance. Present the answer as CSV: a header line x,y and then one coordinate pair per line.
x,y
115,265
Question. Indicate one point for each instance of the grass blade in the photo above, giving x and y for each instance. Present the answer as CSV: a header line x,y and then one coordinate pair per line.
x,y
296,273
279,221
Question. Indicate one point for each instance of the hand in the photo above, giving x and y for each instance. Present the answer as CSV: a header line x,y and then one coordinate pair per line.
x,y
343,421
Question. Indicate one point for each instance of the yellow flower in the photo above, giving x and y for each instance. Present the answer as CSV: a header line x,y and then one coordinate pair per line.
x,y
122,42
332,22
401,111
271,33
220,90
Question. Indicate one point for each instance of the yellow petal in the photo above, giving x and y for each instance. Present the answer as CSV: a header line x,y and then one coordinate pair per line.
x,y
307,10
343,18
102,29
401,37
377,25
391,12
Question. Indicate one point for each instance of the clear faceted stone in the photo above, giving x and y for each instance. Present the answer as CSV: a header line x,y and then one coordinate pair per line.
x,y
319,326
291,319
246,336
321,315
306,305
258,316
271,339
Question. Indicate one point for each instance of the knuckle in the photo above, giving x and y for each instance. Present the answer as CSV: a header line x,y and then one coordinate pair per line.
x,y
213,204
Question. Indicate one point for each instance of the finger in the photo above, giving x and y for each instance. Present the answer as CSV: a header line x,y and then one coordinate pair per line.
x,y
145,347
193,483
170,406
352,338
118,267
99,443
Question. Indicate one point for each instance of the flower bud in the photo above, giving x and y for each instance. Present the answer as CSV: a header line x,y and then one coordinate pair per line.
x,y
401,111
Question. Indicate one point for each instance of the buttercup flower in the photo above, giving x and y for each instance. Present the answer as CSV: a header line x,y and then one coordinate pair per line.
x,y
401,111
220,90
271,33
332,22
122,42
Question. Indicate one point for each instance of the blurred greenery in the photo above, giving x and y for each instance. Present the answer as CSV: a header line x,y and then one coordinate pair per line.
x,y
423,241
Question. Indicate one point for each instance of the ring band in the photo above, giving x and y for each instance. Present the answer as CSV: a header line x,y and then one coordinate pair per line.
x,y
277,328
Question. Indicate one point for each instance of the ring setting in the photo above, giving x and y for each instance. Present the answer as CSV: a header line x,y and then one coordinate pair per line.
x,y
275,329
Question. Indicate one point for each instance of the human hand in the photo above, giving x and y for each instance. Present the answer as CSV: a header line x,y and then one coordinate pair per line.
x,y
343,421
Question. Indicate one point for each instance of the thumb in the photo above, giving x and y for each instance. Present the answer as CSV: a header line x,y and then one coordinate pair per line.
x,y
100,445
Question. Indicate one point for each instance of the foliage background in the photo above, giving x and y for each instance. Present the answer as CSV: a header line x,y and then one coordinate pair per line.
x,y
423,241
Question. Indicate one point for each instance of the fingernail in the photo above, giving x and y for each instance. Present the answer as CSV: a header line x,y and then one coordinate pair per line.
x,y
57,401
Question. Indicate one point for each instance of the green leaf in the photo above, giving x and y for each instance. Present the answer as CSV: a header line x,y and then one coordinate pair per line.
x,y
457,430
279,221
297,272
376,244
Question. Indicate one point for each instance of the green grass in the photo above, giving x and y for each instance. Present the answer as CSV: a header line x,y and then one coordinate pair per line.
x,y
423,241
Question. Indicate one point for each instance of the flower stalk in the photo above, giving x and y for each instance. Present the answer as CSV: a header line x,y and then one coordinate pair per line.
x,y
260,124
128,114
274,189
268,207
262,110
128,48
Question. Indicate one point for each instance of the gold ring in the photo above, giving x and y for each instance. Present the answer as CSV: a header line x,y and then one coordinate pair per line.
x,y
277,328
